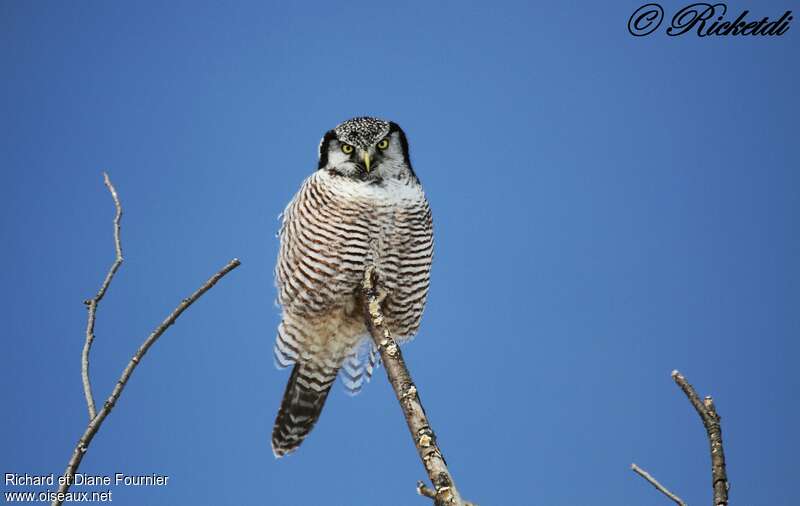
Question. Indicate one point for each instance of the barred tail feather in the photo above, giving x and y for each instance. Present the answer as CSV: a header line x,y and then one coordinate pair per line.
x,y
302,403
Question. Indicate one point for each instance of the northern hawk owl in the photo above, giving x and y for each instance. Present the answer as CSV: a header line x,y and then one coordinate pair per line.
x,y
363,206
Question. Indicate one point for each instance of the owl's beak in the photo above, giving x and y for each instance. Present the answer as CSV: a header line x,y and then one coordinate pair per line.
x,y
365,157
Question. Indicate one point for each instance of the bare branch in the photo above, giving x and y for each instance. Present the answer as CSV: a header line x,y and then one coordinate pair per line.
x,y
94,424
424,439
661,488
711,421
96,418
94,301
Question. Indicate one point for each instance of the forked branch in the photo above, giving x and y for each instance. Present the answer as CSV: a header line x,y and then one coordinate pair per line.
x,y
96,418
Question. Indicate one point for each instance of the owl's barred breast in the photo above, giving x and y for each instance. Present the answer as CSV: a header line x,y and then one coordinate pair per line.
x,y
332,230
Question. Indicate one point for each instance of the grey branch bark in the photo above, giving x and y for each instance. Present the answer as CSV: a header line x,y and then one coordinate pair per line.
x,y
445,491
711,421
661,488
96,421
92,303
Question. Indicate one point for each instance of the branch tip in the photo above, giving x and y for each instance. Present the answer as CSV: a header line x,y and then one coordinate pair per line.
x,y
711,421
95,301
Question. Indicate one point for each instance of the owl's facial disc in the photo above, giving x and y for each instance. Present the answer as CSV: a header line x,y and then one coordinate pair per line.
x,y
366,149
359,159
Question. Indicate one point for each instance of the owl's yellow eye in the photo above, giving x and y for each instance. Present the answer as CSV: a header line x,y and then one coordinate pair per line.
x,y
347,149
383,144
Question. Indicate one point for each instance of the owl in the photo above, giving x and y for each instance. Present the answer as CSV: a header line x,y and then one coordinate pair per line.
x,y
363,206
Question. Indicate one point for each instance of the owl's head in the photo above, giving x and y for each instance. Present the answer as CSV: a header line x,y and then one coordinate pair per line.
x,y
367,149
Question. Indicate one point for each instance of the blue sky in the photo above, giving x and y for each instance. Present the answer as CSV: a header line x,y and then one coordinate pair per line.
x,y
607,209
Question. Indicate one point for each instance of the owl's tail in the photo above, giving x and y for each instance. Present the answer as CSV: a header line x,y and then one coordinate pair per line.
x,y
302,403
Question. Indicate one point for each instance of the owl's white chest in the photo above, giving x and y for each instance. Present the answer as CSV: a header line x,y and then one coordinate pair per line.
x,y
389,192
380,207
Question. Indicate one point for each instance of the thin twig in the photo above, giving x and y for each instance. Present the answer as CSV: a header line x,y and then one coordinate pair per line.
x,y
661,488
94,301
711,421
400,379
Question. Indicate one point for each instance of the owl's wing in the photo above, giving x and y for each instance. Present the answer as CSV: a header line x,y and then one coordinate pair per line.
x,y
359,365
413,248
323,246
